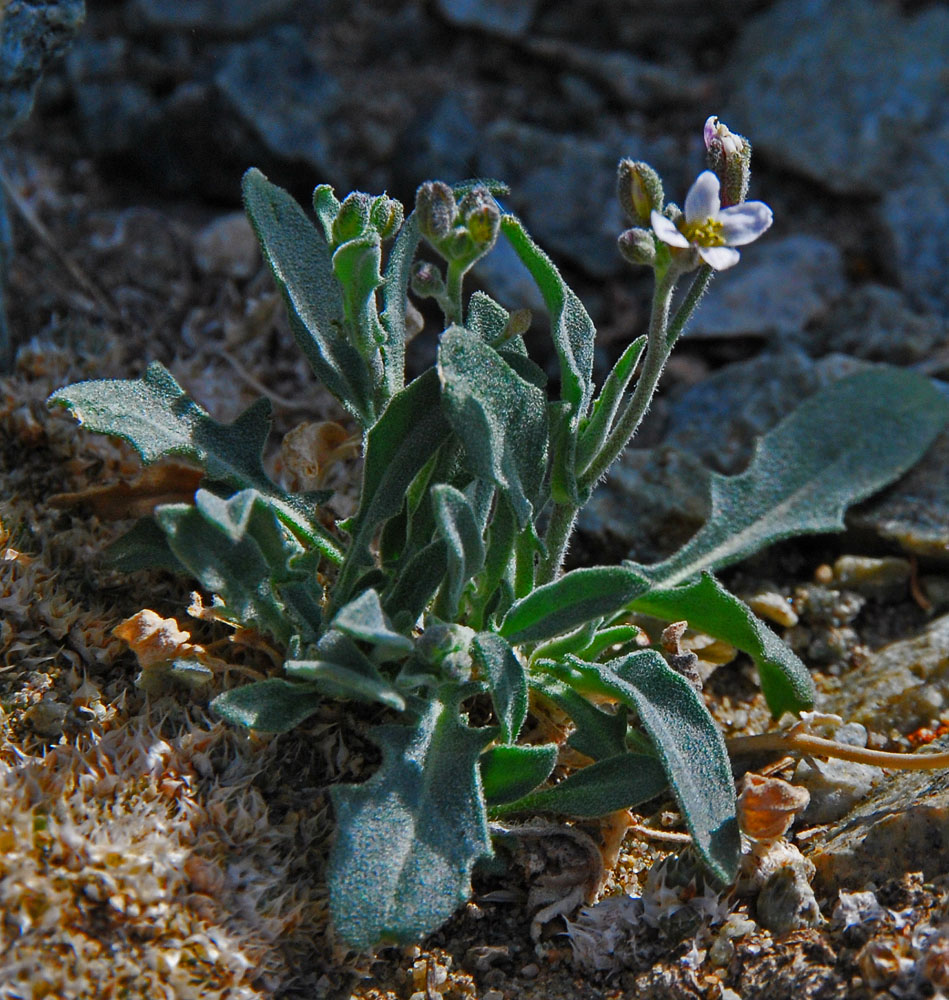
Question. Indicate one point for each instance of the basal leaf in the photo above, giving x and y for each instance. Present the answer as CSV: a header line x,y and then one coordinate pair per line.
x,y
359,680
619,782
300,260
707,606
575,598
156,417
500,419
506,679
688,743
510,772
143,546
408,838
458,525
273,705
839,446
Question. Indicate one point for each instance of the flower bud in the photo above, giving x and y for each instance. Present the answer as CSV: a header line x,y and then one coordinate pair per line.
x,y
352,218
729,157
639,190
481,215
436,210
427,281
386,216
638,246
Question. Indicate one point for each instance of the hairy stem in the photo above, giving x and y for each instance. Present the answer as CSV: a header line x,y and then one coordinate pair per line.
x,y
699,286
559,529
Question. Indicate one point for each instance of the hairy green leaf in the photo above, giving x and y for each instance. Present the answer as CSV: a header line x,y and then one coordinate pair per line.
x,y
143,546
363,618
156,417
273,705
509,772
618,782
689,745
597,733
506,679
839,446
577,597
418,580
397,274
707,606
500,419
408,838
300,260
457,524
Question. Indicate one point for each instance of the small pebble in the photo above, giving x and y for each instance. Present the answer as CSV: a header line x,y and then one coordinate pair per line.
x,y
530,971
773,607
227,247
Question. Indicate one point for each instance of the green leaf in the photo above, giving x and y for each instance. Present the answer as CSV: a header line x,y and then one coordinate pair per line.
x,y
397,274
457,524
213,540
506,678
301,263
399,445
596,430
418,580
500,419
688,742
274,705
597,733
363,618
487,318
408,838
156,417
502,535
337,681
143,546
839,446
356,265
619,782
509,772
710,608
577,597
573,334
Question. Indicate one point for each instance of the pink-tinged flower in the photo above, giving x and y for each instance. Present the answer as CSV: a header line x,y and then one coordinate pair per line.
x,y
710,230
717,133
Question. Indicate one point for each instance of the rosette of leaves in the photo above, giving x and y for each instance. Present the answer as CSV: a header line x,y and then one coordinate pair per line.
x,y
440,598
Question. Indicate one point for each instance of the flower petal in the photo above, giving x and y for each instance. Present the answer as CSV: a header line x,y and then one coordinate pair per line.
x,y
666,231
719,258
744,223
703,201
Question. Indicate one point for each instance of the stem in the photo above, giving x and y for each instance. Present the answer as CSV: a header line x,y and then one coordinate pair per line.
x,y
657,352
454,277
816,746
559,529
683,314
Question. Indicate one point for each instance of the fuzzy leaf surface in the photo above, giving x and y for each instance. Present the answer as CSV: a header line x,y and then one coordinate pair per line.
x,y
839,446
363,618
158,420
301,263
397,275
506,679
508,773
575,598
687,741
273,705
409,836
500,418
710,608
597,734
457,523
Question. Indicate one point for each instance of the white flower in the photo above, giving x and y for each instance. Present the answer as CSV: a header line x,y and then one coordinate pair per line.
x,y
718,133
709,229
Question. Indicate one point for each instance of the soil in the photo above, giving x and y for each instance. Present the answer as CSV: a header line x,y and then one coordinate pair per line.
x,y
104,279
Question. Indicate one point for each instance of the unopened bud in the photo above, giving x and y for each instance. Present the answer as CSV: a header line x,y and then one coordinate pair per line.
x,y
436,210
352,218
638,246
386,216
427,281
639,190
729,158
482,217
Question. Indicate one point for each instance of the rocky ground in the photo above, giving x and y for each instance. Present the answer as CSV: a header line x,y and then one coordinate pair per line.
x,y
149,851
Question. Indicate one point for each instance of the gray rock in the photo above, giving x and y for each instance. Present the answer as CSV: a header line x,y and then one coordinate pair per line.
x,y
217,17
290,110
914,511
876,323
510,18
902,686
916,214
564,188
783,285
33,33
441,144
227,247
903,826
839,90
836,786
